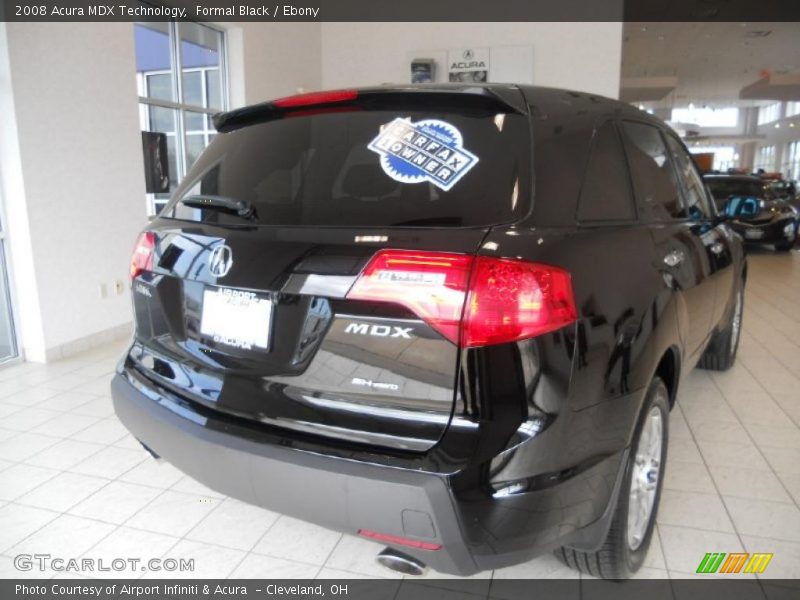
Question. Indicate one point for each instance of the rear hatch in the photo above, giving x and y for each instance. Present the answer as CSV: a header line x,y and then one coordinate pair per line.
x,y
250,291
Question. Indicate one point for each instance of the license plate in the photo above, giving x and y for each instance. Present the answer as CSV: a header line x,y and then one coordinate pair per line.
x,y
236,318
753,234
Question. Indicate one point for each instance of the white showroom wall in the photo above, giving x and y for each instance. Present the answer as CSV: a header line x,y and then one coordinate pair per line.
x,y
270,60
580,56
78,179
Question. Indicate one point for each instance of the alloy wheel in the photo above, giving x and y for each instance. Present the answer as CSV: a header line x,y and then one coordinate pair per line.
x,y
645,477
736,322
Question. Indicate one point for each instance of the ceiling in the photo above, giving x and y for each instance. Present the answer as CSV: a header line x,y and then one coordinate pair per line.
x,y
712,62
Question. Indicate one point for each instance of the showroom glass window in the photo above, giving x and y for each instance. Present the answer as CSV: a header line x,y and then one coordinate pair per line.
x,y
181,81
793,162
769,113
653,177
707,117
765,158
725,157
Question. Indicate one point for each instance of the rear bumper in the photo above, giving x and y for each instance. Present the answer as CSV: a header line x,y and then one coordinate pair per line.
x,y
347,495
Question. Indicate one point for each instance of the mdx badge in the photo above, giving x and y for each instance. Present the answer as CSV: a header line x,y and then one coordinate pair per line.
x,y
220,261
379,330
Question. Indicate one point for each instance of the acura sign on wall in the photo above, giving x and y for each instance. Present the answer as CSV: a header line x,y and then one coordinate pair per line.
x,y
468,65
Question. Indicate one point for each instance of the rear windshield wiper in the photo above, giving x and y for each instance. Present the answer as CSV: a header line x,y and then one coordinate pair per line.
x,y
241,208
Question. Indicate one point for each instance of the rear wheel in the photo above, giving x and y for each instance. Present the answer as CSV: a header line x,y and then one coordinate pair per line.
x,y
631,531
721,352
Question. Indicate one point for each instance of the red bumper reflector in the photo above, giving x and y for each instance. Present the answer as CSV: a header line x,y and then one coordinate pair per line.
x,y
397,540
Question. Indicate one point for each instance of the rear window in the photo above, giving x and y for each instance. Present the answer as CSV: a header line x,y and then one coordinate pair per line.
x,y
367,168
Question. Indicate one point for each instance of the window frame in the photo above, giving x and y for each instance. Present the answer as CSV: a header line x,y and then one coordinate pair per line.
x,y
710,205
8,288
685,219
178,105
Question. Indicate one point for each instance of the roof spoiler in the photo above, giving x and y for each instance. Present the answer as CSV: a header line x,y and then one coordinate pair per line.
x,y
460,97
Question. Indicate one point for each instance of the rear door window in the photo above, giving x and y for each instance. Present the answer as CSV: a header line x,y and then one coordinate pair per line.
x,y
606,192
325,169
654,180
696,197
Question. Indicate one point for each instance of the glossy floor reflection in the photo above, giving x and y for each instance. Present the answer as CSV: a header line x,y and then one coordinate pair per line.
x,y
73,483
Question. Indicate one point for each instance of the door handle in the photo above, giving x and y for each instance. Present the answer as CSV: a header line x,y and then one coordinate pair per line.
x,y
717,247
674,258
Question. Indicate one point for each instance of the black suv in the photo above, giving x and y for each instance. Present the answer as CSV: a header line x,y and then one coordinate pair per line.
x,y
755,212
450,319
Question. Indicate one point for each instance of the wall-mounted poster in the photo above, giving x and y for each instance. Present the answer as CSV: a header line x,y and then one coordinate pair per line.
x,y
468,65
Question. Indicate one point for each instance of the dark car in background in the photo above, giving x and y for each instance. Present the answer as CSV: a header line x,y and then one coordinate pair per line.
x,y
754,210
449,319
785,189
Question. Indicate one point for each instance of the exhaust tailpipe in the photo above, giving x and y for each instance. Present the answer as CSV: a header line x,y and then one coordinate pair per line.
x,y
150,451
402,563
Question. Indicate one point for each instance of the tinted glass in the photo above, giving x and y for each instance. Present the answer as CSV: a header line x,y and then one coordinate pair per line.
x,y
724,188
606,192
696,199
318,170
742,207
653,176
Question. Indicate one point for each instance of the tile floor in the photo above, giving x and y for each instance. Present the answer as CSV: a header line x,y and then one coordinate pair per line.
x,y
74,483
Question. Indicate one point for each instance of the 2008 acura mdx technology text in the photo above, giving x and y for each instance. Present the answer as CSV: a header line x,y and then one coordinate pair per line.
x,y
452,320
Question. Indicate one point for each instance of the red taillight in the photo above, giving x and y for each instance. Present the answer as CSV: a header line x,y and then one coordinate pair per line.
x,y
433,285
316,98
142,259
512,300
503,300
397,540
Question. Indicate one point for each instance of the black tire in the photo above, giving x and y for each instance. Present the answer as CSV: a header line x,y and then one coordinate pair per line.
x,y
721,351
616,559
788,244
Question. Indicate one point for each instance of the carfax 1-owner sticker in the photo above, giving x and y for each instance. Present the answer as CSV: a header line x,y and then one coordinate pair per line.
x,y
429,150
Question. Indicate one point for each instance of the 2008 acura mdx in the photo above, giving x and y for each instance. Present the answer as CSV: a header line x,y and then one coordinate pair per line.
x,y
449,319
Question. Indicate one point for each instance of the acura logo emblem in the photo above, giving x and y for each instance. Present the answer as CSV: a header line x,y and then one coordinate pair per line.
x,y
220,261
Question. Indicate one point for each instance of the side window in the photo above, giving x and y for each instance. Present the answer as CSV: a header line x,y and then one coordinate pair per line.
x,y
606,191
696,198
654,179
